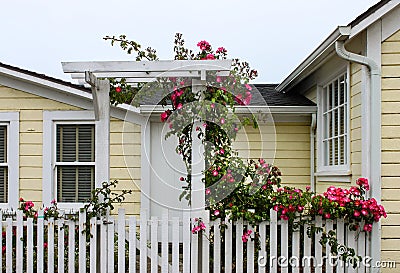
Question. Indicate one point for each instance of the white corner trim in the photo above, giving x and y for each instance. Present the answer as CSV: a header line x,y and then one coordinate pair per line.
x,y
12,119
145,188
49,142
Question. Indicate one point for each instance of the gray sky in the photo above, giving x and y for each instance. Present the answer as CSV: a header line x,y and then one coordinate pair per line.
x,y
274,36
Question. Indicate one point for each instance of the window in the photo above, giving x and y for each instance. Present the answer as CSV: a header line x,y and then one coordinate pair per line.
x,y
75,162
9,160
69,157
3,164
334,117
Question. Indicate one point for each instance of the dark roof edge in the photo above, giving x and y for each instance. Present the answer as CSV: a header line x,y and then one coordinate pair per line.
x,y
44,77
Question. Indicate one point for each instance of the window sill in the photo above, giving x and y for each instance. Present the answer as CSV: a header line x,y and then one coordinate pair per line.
x,y
70,207
338,176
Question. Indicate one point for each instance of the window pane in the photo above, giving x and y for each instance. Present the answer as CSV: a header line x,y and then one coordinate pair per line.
x,y
336,94
86,182
3,184
334,137
75,143
3,144
66,143
342,151
74,184
86,143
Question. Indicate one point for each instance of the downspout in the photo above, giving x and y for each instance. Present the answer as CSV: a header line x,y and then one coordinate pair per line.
x,y
312,152
374,132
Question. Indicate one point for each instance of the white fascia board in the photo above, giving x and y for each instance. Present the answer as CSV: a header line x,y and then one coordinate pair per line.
x,y
157,109
324,50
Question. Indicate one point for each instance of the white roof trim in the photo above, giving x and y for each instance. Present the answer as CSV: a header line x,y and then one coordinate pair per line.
x,y
325,49
157,109
62,93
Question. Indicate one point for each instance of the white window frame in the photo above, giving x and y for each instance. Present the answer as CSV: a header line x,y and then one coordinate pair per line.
x,y
11,120
50,121
339,173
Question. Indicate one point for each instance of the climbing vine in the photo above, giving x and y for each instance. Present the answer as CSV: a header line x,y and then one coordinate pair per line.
x,y
235,188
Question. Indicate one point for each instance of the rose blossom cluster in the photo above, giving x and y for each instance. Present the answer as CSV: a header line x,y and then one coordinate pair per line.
x,y
198,226
288,202
246,235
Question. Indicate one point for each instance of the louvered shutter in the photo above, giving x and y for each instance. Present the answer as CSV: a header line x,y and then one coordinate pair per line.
x,y
75,144
3,167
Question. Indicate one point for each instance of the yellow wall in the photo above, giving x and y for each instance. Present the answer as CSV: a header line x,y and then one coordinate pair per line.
x,y
31,109
391,147
355,120
286,145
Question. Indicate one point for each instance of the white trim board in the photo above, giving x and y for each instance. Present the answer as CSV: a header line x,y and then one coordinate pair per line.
x,y
12,120
50,118
390,23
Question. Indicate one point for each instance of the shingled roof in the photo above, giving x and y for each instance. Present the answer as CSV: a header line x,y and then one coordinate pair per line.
x,y
272,97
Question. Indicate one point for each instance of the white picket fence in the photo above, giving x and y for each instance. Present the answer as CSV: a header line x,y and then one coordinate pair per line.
x,y
128,244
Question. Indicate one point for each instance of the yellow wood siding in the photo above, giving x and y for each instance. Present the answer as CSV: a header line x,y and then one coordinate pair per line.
x,y
391,147
31,109
355,121
124,160
288,148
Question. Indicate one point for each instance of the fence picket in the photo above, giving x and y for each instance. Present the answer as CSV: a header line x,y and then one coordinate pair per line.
x,y
194,250
329,267
132,244
175,244
61,246
29,245
164,243
340,238
361,249
206,244
285,245
93,245
250,253
40,236
71,246
318,246
228,246
103,244
217,246
351,243
110,244
121,240
186,242
154,245
296,250
9,267
262,253
82,241
307,263
239,246
143,242
273,241
50,245
19,243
